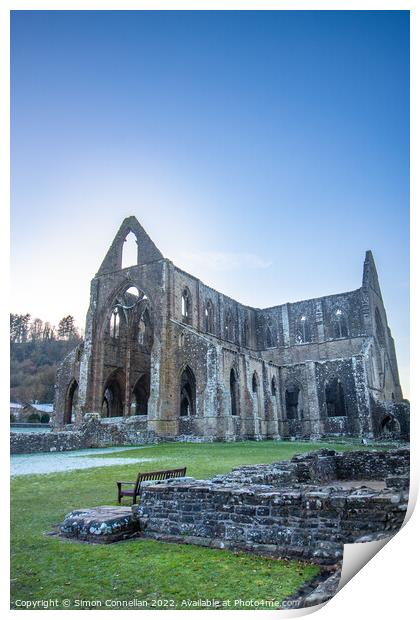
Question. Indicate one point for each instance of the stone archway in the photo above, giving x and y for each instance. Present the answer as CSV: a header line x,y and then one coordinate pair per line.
x,y
71,402
188,393
113,396
140,396
234,393
390,427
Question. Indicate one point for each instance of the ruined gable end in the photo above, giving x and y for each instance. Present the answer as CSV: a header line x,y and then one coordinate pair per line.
x,y
147,252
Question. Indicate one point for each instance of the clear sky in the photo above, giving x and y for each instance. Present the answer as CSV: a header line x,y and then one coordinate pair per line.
x,y
264,152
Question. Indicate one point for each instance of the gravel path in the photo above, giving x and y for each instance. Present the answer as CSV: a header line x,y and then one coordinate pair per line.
x,y
47,463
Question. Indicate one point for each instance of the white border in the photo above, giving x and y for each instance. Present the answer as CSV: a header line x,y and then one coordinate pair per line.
x,y
386,586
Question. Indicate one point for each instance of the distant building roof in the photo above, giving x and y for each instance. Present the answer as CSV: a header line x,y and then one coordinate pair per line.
x,y
44,407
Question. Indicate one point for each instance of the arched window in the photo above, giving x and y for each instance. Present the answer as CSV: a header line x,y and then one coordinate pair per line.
x,y
112,400
229,327
114,323
140,396
209,317
390,426
255,382
71,402
129,251
269,338
145,332
340,324
142,330
186,305
273,386
234,393
380,332
187,397
292,402
245,333
302,330
334,397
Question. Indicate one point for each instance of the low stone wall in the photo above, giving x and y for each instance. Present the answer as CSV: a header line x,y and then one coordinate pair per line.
x,y
325,466
298,520
95,432
25,443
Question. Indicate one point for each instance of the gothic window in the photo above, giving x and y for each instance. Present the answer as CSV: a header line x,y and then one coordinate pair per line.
x,y
112,400
340,325
129,251
140,396
187,397
142,330
114,323
292,402
209,317
269,338
302,330
273,387
145,333
380,332
229,327
255,383
131,296
334,397
234,393
71,402
186,304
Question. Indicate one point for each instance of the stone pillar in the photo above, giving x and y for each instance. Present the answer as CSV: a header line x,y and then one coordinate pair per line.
x,y
247,403
362,397
314,413
319,317
285,320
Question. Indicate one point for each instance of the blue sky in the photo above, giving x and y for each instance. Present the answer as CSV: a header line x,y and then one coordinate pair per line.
x,y
264,152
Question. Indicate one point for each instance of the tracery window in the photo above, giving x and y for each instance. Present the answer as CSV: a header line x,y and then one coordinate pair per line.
x,y
340,324
302,330
209,317
114,323
186,304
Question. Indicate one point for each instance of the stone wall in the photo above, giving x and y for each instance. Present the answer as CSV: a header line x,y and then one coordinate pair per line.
x,y
324,466
94,433
26,443
287,515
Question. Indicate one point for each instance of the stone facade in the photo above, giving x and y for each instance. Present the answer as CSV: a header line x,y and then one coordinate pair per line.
x,y
194,363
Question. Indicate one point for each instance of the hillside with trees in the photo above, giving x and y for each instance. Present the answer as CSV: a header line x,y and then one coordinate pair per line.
x,y
36,350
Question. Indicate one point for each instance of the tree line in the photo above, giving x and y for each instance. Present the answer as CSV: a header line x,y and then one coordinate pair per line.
x,y
36,349
23,329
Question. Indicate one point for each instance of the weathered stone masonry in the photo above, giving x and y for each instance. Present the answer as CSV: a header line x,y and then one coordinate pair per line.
x,y
306,508
299,509
193,363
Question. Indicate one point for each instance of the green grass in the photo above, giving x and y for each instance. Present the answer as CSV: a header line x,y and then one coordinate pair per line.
x,y
46,568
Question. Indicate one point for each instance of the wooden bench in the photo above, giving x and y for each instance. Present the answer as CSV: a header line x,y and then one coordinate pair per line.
x,y
134,492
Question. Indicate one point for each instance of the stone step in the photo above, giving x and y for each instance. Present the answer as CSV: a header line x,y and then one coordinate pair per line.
x,y
102,524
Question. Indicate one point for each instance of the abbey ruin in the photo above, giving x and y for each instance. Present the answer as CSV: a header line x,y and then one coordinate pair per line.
x,y
173,358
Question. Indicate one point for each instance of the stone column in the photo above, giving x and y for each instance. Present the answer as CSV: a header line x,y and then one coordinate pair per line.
x,y
315,422
362,397
319,317
285,320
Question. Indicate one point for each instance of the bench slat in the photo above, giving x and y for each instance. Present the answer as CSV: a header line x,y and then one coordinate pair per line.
x,y
163,474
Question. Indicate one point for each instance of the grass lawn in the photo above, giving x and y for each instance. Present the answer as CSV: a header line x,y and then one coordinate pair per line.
x,y
145,570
